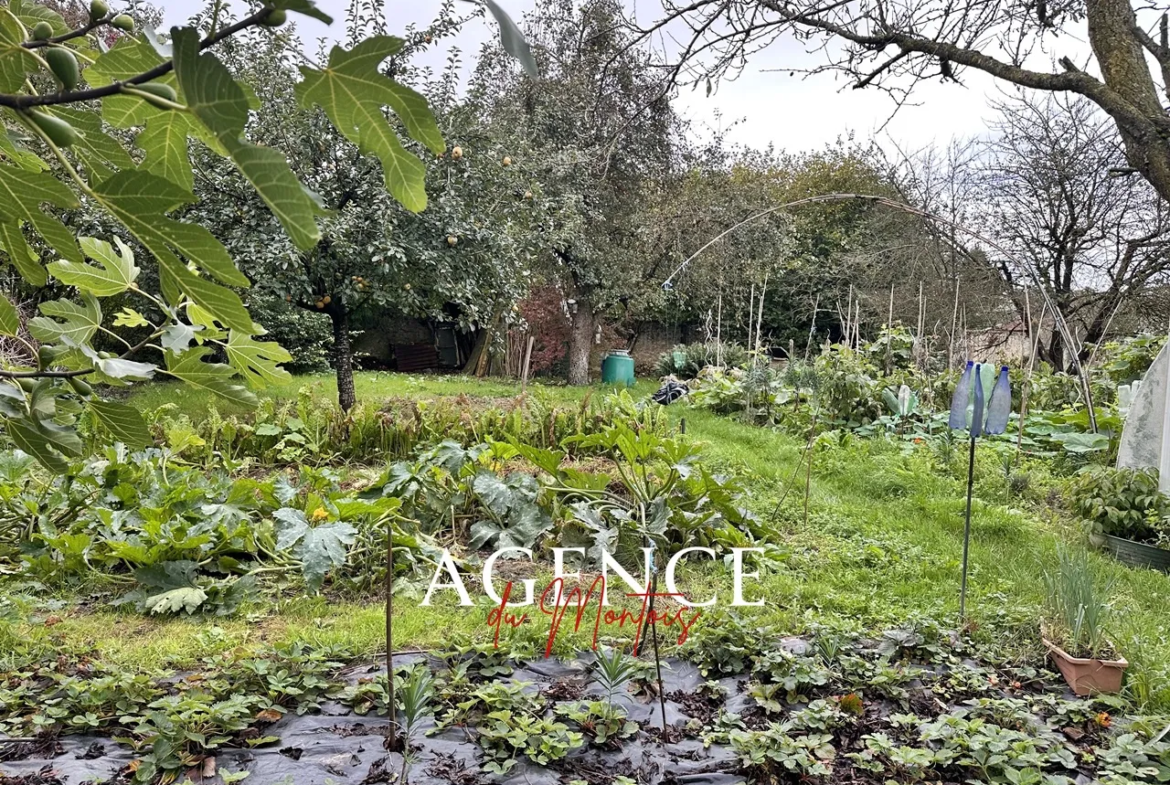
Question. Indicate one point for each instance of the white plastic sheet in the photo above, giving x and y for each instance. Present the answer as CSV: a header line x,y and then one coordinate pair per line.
x,y
1143,437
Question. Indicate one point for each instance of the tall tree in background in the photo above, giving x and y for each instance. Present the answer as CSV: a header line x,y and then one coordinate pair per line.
x,y
893,44
462,260
1093,239
600,128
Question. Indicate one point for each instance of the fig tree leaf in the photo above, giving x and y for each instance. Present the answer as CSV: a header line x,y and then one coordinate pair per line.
x,y
27,437
30,13
98,151
65,320
139,200
20,253
123,422
221,105
114,275
117,368
352,92
164,141
128,317
164,132
213,377
256,360
18,155
15,60
512,39
177,337
127,58
9,317
21,195
39,426
304,7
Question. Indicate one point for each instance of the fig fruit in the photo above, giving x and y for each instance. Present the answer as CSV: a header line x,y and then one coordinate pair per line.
x,y
42,31
98,10
47,355
123,22
64,66
160,91
60,132
80,387
275,19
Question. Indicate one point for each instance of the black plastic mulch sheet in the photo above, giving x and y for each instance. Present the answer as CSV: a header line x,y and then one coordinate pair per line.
x,y
336,747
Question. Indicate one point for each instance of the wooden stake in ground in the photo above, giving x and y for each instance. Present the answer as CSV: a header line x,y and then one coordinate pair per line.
x,y
393,735
649,624
760,315
857,324
890,334
751,311
1028,382
719,330
951,335
1027,325
812,329
849,317
527,362
812,442
967,527
919,340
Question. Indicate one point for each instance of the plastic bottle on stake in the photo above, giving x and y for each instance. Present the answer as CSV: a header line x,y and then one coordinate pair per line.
x,y
977,409
1000,405
958,419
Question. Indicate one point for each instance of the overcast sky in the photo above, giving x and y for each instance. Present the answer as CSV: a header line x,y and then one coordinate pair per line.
x,y
764,105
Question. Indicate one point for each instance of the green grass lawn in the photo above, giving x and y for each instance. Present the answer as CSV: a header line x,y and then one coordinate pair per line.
x,y
881,546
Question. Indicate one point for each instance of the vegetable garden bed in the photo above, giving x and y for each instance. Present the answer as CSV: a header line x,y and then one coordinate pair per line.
x,y
746,706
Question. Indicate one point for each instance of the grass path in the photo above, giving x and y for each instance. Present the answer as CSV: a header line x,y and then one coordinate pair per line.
x,y
881,546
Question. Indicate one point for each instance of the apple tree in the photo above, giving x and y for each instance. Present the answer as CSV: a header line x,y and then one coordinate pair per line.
x,y
602,130
463,260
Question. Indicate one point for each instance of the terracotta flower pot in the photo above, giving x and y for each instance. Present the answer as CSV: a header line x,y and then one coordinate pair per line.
x,y
1088,676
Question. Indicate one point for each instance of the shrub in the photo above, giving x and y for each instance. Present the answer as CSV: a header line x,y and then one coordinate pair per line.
x,y
1123,503
898,341
849,392
1128,359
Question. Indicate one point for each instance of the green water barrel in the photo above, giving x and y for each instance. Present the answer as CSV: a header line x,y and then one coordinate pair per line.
x,y
618,368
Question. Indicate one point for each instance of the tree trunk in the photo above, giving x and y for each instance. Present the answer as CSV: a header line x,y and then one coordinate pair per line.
x,y
1131,95
581,342
1056,350
343,360
473,359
